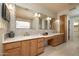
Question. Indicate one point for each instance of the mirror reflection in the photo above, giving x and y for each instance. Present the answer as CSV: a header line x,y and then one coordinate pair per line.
x,y
29,19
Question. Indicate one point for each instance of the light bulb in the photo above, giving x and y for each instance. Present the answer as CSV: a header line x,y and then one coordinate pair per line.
x,y
10,7
36,14
39,15
48,18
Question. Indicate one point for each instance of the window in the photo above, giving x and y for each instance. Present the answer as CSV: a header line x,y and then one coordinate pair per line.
x,y
22,24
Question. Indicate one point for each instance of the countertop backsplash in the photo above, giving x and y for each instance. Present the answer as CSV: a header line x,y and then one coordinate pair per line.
x,y
22,32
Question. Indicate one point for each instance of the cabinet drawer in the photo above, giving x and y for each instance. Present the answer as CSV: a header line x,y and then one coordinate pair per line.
x,y
33,42
13,52
47,38
33,51
11,45
40,50
40,40
40,44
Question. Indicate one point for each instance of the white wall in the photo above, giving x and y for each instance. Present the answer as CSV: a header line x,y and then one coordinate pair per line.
x,y
12,17
1,31
35,23
0,34
71,28
3,28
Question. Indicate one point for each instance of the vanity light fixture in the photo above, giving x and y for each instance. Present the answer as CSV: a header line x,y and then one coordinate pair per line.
x,y
37,15
10,6
48,18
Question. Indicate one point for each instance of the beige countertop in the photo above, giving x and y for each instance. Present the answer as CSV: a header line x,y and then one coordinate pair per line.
x,y
20,38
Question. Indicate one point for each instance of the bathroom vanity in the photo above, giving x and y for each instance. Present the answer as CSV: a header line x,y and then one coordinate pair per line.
x,y
30,45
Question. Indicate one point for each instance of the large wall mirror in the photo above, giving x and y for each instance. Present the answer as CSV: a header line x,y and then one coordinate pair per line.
x,y
29,19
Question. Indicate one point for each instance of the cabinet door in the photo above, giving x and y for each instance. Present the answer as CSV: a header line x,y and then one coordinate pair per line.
x,y
40,46
40,50
62,38
33,48
25,48
54,41
13,52
11,45
63,25
40,43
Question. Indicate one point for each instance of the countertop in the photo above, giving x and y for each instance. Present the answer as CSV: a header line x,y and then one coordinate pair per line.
x,y
20,38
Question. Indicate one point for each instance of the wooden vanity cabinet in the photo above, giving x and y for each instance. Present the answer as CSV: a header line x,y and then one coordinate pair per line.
x,y
13,52
40,46
25,48
56,40
33,47
62,38
12,49
53,41
36,46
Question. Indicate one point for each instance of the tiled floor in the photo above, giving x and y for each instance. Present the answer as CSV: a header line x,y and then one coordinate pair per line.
x,y
70,48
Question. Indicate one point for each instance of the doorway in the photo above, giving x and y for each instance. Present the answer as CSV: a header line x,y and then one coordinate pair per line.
x,y
76,27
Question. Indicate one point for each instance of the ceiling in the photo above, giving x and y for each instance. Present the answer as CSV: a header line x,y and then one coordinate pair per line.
x,y
26,13
51,7
57,7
